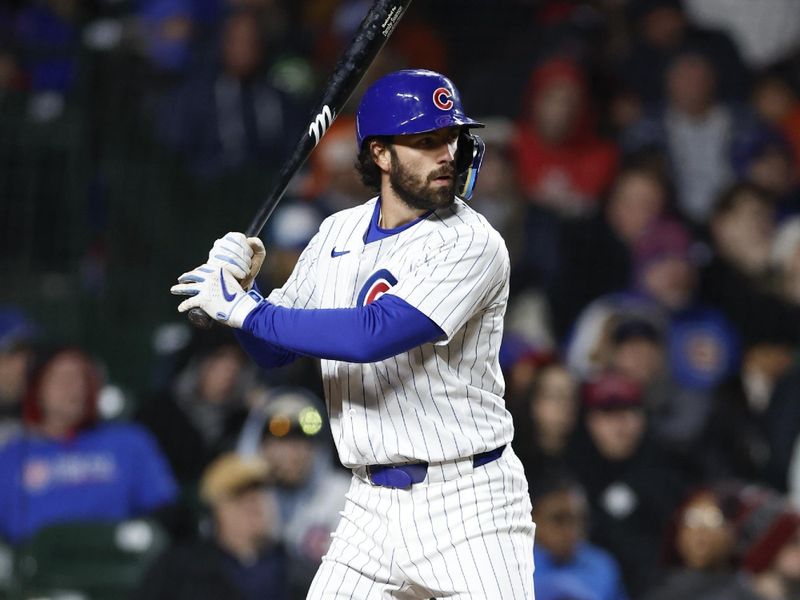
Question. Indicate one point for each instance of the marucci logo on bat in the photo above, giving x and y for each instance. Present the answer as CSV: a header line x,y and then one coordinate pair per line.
x,y
320,124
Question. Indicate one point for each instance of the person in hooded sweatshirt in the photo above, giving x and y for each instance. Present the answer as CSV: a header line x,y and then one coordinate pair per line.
x,y
66,465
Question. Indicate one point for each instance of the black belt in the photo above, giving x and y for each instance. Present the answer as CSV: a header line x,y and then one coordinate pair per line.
x,y
404,476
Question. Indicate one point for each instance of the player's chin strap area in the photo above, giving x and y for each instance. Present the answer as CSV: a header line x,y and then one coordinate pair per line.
x,y
470,150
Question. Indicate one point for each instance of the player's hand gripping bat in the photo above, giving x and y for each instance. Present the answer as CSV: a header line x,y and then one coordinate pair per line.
x,y
372,34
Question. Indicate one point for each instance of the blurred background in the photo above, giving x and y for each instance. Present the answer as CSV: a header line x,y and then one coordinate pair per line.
x,y
642,166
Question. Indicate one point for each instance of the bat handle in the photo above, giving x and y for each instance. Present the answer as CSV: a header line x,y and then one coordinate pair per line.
x,y
199,318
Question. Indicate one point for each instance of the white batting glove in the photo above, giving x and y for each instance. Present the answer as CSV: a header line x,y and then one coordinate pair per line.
x,y
241,256
218,293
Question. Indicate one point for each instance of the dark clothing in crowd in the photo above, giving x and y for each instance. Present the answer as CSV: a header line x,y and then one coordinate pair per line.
x,y
191,435
741,298
750,444
220,123
584,245
645,64
630,503
688,584
204,571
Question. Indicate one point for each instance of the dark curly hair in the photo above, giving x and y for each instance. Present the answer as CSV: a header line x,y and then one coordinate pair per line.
x,y
365,165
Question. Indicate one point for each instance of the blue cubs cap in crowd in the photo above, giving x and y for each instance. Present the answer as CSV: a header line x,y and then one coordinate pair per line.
x,y
408,102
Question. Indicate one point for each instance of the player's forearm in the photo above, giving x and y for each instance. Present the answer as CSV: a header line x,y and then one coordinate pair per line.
x,y
385,328
265,355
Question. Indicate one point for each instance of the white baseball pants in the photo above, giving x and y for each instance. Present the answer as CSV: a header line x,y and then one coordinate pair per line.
x,y
464,533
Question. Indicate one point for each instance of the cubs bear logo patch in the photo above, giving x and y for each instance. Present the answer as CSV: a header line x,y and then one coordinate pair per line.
x,y
376,286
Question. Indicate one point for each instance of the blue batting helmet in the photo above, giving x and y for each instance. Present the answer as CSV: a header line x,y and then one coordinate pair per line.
x,y
416,101
410,101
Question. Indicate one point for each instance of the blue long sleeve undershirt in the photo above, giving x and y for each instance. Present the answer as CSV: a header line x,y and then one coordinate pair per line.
x,y
274,335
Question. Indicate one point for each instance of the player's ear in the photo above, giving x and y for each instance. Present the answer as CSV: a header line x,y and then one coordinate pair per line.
x,y
380,154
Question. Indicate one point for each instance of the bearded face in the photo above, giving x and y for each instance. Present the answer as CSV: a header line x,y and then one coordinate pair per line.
x,y
421,188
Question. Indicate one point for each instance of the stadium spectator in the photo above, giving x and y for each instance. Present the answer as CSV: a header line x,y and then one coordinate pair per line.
x,y
694,130
738,280
567,565
16,355
561,163
776,103
232,117
699,548
677,413
200,412
702,343
45,32
768,545
289,432
497,195
545,419
66,465
166,31
615,460
662,31
785,260
763,156
755,418
702,346
240,558
637,198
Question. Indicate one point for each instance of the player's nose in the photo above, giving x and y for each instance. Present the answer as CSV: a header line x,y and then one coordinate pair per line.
x,y
447,152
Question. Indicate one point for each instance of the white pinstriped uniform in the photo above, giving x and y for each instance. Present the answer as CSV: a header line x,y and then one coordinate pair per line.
x,y
459,534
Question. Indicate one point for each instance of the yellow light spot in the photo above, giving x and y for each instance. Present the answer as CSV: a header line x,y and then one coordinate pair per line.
x,y
310,421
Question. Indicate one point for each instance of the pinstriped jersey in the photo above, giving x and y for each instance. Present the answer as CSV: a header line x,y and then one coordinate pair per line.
x,y
439,401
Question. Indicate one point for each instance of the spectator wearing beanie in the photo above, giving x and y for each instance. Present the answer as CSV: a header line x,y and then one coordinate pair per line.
x,y
769,547
632,484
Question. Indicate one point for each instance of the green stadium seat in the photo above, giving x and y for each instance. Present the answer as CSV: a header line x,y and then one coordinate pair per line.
x,y
86,560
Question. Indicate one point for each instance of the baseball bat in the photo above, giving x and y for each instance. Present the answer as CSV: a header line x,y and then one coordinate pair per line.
x,y
375,29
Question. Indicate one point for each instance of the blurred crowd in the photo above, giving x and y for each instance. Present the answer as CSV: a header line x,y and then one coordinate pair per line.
x,y
643,165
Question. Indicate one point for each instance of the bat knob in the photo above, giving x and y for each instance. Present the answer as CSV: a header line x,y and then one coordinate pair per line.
x,y
199,318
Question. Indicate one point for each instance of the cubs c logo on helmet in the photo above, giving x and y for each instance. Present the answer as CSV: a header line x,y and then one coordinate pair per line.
x,y
442,98
376,286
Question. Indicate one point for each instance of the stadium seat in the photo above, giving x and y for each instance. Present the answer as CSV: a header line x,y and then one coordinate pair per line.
x,y
86,560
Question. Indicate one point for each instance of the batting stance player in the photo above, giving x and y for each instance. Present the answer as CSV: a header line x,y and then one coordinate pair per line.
x,y
403,299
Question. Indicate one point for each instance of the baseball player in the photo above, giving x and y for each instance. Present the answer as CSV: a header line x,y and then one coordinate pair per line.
x,y
403,299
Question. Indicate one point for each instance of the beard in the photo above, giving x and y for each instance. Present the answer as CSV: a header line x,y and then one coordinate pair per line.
x,y
419,193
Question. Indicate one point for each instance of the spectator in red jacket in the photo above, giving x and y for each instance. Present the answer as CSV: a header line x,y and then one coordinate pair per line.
x,y
561,162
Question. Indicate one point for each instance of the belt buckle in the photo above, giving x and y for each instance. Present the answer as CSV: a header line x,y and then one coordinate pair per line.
x,y
400,477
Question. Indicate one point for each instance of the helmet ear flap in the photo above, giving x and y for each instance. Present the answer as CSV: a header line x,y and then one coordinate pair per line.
x,y
468,162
